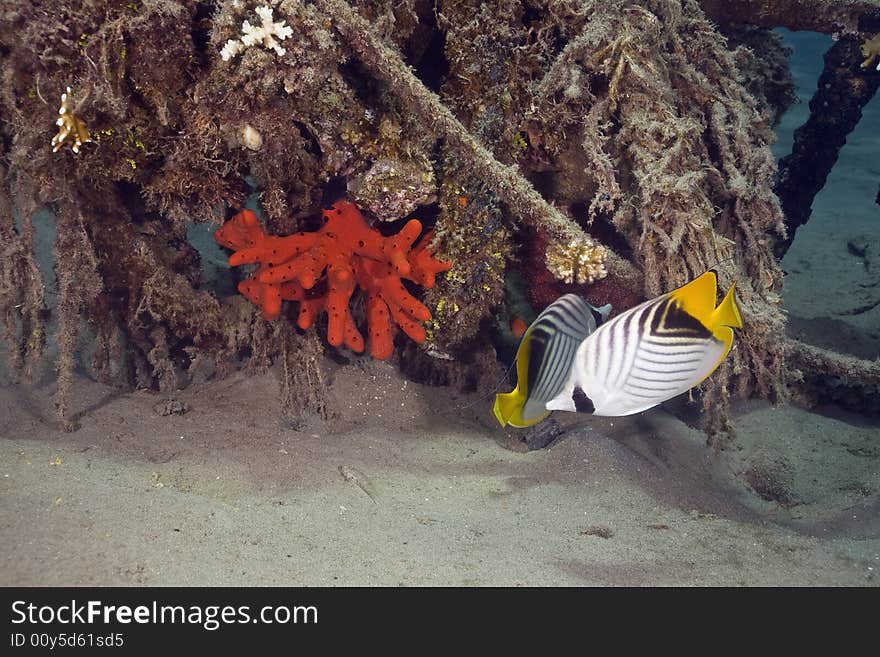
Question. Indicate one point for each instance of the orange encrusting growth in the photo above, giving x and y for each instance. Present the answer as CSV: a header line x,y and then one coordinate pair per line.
x,y
518,327
352,254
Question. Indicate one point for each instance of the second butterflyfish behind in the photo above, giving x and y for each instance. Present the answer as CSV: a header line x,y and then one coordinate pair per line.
x,y
544,358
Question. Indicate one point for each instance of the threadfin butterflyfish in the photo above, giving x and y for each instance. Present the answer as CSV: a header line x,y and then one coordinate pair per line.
x,y
544,358
652,352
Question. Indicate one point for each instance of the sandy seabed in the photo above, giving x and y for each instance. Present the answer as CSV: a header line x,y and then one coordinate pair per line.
x,y
410,485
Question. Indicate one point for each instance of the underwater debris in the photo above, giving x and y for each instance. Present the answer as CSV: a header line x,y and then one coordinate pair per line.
x,y
621,56
76,271
71,129
487,52
676,166
170,406
602,531
352,254
359,479
263,35
539,436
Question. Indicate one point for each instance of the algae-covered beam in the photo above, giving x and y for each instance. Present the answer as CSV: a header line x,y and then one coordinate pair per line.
x,y
510,185
844,88
828,16
817,361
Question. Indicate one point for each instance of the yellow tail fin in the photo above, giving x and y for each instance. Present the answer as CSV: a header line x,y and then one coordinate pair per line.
x,y
727,312
724,319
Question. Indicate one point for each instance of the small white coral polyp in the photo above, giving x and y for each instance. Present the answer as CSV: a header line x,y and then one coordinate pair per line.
x,y
71,129
263,35
871,50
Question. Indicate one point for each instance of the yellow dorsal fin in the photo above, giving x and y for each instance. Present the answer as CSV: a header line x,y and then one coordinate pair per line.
x,y
697,298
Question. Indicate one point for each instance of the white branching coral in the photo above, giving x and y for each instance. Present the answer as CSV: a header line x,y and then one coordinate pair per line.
x,y
71,129
264,35
580,260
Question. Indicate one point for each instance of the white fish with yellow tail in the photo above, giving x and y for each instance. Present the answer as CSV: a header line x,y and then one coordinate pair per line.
x,y
651,353
544,358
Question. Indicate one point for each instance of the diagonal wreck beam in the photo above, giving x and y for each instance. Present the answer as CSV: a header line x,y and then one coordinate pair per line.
x,y
818,361
510,185
843,90
827,16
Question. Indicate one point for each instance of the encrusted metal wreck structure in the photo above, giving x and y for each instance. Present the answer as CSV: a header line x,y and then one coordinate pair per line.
x,y
616,148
